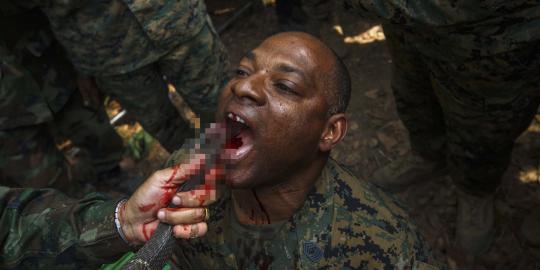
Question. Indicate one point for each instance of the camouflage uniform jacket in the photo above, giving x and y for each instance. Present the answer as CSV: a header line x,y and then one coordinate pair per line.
x,y
43,228
464,28
36,80
344,224
21,101
119,36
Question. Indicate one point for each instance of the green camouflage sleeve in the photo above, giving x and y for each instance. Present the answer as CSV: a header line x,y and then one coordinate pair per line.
x,y
43,228
430,12
444,13
11,7
21,101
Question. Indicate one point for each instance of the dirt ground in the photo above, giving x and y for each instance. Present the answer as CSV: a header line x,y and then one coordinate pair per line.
x,y
377,137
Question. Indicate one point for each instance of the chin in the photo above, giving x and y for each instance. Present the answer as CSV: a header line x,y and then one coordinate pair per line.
x,y
236,181
232,184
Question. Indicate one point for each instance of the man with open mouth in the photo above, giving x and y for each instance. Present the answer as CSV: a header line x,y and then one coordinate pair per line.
x,y
287,204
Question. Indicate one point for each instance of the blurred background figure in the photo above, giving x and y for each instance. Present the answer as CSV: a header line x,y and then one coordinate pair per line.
x,y
317,17
464,77
135,48
39,104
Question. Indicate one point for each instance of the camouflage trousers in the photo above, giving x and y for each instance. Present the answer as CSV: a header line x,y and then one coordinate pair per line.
x,y
29,156
196,68
468,111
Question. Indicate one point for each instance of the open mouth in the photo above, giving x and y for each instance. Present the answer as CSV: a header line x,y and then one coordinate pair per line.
x,y
239,136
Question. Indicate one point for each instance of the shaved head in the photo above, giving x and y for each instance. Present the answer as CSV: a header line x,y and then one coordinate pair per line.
x,y
336,79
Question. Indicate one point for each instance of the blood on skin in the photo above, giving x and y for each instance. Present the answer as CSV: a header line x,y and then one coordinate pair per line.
x,y
167,195
146,208
168,188
262,207
147,234
175,169
202,197
208,188
201,200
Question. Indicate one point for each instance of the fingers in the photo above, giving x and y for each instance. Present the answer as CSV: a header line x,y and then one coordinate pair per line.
x,y
189,221
203,196
179,173
187,231
176,216
147,230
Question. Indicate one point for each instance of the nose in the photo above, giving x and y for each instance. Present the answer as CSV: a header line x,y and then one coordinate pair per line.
x,y
250,90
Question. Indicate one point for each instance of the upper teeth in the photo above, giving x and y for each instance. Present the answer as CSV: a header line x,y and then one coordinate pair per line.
x,y
236,118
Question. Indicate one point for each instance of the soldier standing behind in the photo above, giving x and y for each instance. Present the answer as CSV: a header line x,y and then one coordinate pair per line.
x,y
38,98
130,46
463,77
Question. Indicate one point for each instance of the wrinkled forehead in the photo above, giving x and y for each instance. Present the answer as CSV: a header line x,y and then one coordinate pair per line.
x,y
304,52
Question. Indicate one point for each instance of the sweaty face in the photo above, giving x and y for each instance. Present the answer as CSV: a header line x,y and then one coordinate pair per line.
x,y
275,110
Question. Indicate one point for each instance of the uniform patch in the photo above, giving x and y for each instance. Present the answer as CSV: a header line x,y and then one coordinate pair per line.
x,y
312,251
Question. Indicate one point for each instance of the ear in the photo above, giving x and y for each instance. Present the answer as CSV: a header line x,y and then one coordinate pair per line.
x,y
334,130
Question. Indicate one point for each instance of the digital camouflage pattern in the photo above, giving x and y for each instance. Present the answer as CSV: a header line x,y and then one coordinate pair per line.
x,y
344,224
197,68
464,79
472,111
44,229
29,158
31,62
39,99
466,29
131,45
120,36
88,129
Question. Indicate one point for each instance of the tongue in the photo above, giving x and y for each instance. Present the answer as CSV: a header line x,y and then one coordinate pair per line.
x,y
233,143
234,140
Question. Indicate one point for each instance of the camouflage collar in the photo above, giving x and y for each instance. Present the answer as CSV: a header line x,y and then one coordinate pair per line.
x,y
311,241
304,244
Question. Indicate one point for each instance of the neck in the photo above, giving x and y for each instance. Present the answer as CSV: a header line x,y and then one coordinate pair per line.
x,y
269,204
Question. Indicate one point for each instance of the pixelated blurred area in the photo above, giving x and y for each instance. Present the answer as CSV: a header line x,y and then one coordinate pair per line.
x,y
375,136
